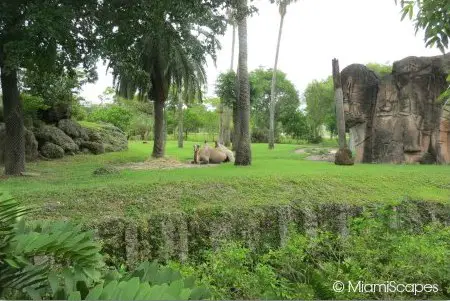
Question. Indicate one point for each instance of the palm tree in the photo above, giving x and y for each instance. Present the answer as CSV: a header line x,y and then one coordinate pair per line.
x,y
225,112
170,58
191,77
243,149
282,8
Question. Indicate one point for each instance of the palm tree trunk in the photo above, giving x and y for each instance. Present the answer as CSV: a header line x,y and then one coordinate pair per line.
x,y
243,151
180,120
227,126
236,120
13,116
233,45
343,155
339,98
225,112
158,137
273,88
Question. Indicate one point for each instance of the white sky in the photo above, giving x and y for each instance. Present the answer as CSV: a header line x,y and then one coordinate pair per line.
x,y
315,32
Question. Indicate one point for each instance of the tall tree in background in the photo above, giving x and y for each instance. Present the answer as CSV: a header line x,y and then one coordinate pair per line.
x,y
191,79
282,4
243,149
224,109
160,38
320,108
56,37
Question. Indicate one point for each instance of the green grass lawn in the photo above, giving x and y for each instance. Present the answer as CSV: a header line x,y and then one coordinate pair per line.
x,y
68,188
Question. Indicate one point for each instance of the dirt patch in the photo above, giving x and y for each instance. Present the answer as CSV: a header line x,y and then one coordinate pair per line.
x,y
162,164
326,155
300,151
327,158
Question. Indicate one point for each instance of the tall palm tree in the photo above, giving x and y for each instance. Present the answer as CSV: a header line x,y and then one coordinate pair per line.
x,y
190,78
170,58
225,111
243,150
282,4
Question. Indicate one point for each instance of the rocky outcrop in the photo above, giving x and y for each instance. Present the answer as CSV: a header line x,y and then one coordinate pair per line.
x,y
48,133
95,148
68,137
73,129
52,151
399,118
31,145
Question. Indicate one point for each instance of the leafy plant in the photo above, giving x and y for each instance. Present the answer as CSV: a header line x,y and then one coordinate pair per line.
x,y
117,115
32,256
57,260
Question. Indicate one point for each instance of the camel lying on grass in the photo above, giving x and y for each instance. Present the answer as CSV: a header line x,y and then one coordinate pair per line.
x,y
210,155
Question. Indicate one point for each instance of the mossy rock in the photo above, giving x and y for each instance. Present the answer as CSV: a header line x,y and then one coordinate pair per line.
x,y
52,151
48,133
112,138
93,147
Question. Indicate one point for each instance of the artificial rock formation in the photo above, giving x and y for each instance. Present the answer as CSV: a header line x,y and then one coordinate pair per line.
x,y
400,117
68,138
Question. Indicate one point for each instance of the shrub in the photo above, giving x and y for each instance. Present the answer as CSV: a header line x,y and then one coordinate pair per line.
x,y
259,136
114,114
32,104
307,266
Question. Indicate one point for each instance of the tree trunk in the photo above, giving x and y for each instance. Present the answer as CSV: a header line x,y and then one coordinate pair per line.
x,y
221,121
158,137
339,98
273,92
233,45
227,126
228,113
13,116
180,120
243,151
235,127
344,155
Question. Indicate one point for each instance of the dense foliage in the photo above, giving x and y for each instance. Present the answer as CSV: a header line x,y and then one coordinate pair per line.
x,y
320,108
307,266
59,261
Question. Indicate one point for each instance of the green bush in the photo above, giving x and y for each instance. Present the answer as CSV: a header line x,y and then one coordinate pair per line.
x,y
115,114
32,104
307,266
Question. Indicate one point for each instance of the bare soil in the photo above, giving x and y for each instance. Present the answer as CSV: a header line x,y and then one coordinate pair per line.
x,y
162,164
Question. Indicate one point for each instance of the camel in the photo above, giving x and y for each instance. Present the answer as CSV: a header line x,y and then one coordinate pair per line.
x,y
223,148
207,154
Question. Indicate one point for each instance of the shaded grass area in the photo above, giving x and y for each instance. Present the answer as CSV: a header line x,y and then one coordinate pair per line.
x,y
68,188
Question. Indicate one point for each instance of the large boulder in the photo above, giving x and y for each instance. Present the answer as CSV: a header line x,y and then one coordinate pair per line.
x,y
72,129
52,151
399,118
112,138
93,147
48,133
31,145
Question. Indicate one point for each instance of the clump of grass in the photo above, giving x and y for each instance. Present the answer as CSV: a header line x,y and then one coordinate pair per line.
x,y
105,170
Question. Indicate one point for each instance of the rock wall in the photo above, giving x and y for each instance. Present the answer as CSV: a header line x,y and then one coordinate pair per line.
x,y
67,137
183,235
400,117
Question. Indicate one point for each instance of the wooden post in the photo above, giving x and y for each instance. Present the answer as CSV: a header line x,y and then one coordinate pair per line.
x,y
344,155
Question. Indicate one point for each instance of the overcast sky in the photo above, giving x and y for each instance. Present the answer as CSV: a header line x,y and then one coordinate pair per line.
x,y
315,32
